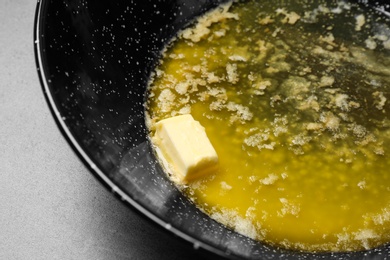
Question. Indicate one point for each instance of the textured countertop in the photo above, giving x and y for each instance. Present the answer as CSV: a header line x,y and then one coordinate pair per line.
x,y
51,206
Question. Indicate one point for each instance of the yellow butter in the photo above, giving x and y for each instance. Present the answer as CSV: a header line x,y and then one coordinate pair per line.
x,y
182,142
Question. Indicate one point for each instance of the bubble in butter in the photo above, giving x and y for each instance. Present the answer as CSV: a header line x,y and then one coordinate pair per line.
x,y
184,147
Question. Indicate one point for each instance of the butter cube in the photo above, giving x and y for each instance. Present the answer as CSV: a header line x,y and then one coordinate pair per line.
x,y
184,146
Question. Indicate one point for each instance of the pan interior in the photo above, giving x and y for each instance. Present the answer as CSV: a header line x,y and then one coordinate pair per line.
x,y
94,61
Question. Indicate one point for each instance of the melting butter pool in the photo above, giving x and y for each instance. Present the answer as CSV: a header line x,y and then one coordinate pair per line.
x,y
294,99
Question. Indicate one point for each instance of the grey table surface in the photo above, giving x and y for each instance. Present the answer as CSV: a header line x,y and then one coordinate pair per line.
x,y
51,206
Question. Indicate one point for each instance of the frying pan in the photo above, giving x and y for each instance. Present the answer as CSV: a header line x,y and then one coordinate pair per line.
x,y
94,59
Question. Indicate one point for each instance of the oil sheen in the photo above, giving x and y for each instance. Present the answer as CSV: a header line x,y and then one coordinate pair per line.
x,y
294,98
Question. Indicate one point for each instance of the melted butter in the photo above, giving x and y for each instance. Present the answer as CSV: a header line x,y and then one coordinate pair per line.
x,y
294,99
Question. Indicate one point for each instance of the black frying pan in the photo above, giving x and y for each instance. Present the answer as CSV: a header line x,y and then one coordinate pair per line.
x,y
94,59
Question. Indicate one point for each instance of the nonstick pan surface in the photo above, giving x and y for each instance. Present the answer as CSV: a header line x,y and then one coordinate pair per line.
x,y
94,59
